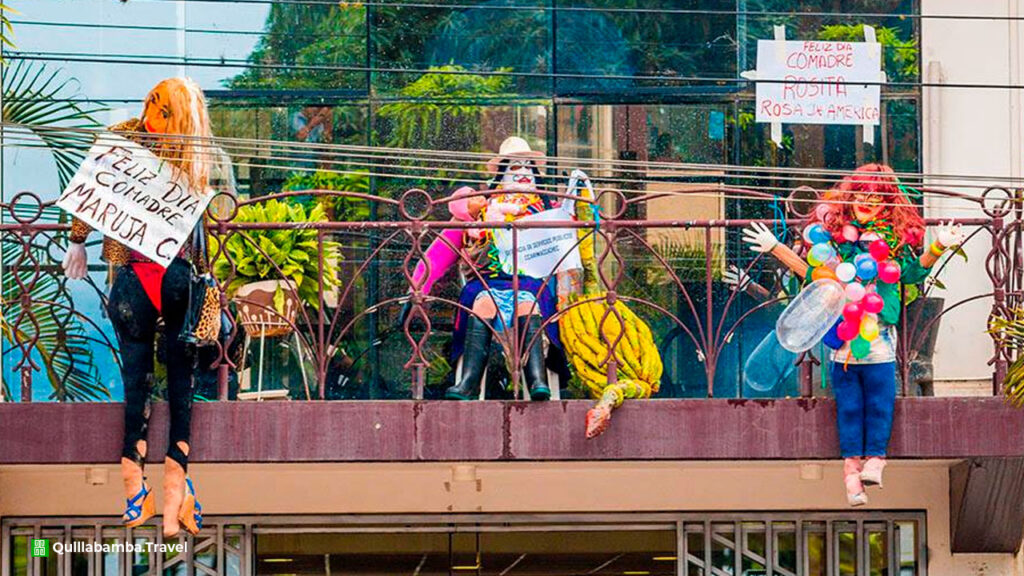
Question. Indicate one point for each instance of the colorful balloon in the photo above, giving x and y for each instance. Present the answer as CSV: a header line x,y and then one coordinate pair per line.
x,y
823,273
855,291
852,313
860,348
816,234
850,233
879,250
847,331
820,253
889,272
868,327
867,268
822,211
872,303
846,272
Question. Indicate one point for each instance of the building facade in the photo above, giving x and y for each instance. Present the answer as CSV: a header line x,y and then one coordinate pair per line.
x,y
364,470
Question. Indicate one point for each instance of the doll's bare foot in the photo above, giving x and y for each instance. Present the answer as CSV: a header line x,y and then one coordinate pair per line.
x,y
598,419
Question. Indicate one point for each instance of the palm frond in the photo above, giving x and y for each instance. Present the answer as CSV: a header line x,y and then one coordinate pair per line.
x,y
47,102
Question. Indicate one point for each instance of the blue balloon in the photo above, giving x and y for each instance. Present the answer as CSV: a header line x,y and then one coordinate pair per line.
x,y
867,268
832,339
816,234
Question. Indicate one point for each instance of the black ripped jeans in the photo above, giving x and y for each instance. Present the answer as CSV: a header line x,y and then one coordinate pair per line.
x,y
135,322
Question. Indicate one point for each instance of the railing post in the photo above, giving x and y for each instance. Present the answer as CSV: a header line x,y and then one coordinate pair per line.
x,y
999,279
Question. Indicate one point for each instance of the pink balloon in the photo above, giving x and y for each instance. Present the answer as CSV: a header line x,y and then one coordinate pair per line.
x,y
855,291
822,211
889,272
873,303
850,233
879,250
847,330
852,312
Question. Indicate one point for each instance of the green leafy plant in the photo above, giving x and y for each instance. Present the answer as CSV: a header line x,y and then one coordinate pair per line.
x,y
289,254
42,99
1009,332
6,29
900,55
435,109
338,208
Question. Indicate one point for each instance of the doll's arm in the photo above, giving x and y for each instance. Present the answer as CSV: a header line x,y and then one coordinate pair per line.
x,y
948,236
441,255
762,240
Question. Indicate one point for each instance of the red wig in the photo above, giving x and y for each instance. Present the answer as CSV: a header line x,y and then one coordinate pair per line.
x,y
836,208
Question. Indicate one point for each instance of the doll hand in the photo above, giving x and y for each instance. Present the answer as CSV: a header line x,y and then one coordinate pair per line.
x,y
949,235
76,263
760,238
738,279
496,212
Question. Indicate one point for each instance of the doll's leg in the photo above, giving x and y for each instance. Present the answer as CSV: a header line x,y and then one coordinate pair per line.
x,y
133,318
849,419
534,371
476,348
849,409
180,367
879,401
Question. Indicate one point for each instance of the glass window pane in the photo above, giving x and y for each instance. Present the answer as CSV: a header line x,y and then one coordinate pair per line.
x,y
878,550
785,550
816,550
464,39
694,550
19,555
907,544
723,547
846,541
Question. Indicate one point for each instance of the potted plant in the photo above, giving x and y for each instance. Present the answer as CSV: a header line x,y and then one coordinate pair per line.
x,y
273,272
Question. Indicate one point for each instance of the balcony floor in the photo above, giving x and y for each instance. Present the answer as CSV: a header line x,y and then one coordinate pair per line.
x,y
409,431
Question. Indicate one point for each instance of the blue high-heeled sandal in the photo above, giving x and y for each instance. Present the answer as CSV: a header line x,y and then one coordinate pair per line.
x,y
191,513
140,507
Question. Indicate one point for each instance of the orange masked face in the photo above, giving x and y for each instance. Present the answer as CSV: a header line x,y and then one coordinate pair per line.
x,y
156,116
867,207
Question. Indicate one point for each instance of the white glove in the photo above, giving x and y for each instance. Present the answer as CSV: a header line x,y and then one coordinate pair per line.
x,y
760,238
950,235
735,277
76,263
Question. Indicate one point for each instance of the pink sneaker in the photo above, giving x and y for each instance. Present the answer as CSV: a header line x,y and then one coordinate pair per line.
x,y
855,494
872,473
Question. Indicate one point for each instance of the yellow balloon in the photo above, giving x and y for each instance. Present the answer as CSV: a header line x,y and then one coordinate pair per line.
x,y
868,328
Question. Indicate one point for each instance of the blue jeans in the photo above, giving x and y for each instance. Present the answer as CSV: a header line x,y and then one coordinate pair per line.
x,y
865,397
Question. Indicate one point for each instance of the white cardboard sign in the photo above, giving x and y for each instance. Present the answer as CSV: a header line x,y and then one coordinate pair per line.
x,y
816,82
541,250
128,194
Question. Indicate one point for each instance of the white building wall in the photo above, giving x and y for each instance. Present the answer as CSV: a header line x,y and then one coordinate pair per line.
x,y
970,132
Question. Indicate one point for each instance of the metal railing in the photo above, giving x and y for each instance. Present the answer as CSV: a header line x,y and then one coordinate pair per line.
x,y
348,340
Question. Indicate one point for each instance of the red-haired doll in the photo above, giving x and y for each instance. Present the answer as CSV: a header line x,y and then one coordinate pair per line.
x,y
868,205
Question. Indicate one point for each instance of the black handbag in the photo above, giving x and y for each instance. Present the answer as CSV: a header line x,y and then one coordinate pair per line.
x,y
206,322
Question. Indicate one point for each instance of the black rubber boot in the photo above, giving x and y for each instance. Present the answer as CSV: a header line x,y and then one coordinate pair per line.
x,y
474,361
534,371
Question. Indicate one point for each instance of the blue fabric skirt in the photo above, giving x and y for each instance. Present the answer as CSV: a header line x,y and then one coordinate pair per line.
x,y
503,284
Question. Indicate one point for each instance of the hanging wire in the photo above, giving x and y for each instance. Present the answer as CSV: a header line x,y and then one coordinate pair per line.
x,y
437,159
714,190
158,60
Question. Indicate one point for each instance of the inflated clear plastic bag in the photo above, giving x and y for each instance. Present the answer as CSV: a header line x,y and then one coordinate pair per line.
x,y
769,364
810,315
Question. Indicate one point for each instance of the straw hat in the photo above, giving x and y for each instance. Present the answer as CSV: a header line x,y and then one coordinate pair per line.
x,y
514,147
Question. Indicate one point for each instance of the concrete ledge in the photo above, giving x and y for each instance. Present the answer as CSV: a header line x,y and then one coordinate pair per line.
x,y
404,431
